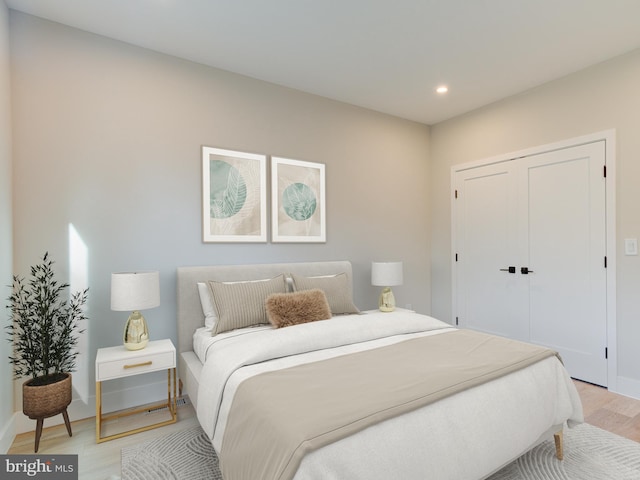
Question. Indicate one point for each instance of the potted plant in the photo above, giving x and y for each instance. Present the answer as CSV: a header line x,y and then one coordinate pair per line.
x,y
43,331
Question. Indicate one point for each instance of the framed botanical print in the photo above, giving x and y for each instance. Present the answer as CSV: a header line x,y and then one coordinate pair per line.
x,y
234,196
298,212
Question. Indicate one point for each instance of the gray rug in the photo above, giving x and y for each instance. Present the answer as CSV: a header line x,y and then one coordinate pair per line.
x,y
186,455
589,454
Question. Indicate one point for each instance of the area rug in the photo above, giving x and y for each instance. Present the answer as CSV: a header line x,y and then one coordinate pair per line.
x,y
589,454
185,455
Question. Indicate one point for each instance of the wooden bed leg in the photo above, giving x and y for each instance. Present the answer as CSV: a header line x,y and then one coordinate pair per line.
x,y
557,437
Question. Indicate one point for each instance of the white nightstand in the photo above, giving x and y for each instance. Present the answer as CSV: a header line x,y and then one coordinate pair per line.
x,y
118,362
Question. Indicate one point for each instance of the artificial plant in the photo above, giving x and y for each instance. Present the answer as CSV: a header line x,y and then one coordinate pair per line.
x,y
43,325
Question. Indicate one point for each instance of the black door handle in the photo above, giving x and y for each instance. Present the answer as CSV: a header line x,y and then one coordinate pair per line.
x,y
525,270
510,269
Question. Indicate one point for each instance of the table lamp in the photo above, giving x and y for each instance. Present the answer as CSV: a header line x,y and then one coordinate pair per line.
x,y
387,275
135,291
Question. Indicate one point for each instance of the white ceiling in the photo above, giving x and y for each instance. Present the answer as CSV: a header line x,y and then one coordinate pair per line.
x,y
386,55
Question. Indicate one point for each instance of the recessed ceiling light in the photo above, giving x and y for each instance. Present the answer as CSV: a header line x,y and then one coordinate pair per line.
x,y
442,89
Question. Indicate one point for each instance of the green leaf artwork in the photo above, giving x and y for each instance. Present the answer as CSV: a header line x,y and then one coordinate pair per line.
x,y
299,201
228,190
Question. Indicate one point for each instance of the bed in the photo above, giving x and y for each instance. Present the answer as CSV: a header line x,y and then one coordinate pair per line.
x,y
335,379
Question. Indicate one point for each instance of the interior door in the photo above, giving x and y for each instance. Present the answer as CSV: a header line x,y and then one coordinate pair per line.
x,y
490,297
545,216
565,247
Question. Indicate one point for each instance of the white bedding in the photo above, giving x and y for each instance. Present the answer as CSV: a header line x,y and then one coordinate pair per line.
x,y
486,426
203,340
467,436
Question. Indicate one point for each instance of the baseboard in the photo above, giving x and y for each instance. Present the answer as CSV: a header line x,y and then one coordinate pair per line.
x,y
111,402
628,387
8,434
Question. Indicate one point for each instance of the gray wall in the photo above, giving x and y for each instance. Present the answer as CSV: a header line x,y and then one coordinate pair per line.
x,y
597,99
6,392
107,138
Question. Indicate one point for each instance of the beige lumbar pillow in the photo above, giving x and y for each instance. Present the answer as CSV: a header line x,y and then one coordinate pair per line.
x,y
336,287
286,309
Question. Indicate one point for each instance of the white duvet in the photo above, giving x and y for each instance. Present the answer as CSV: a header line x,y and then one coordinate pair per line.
x,y
466,436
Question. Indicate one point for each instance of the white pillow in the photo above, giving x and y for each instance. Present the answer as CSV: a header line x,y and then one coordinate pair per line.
x,y
210,316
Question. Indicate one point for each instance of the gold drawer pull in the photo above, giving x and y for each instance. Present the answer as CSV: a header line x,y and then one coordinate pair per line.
x,y
144,364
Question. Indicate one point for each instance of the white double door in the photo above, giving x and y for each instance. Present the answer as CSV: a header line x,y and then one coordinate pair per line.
x,y
530,242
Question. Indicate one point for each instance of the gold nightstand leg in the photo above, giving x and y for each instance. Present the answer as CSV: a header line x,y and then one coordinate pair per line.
x,y
175,398
172,404
169,391
98,410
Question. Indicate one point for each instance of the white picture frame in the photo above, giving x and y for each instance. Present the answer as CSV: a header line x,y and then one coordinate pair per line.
x,y
298,205
234,196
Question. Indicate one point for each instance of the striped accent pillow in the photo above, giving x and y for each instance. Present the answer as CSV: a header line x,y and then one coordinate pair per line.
x,y
242,304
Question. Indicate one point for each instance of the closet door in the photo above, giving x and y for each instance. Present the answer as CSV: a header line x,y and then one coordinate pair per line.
x,y
564,245
489,293
545,216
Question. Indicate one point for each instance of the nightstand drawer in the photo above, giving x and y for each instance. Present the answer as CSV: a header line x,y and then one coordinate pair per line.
x,y
134,366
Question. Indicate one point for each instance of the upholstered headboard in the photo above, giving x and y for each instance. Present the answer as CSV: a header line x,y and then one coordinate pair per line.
x,y
190,315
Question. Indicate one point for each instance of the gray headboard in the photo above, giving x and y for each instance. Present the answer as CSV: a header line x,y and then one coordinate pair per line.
x,y
190,314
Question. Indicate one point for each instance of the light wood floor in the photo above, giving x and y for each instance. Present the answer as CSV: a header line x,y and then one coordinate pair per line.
x,y
101,461
615,413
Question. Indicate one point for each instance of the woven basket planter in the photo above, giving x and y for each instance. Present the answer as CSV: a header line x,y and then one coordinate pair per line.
x,y
44,401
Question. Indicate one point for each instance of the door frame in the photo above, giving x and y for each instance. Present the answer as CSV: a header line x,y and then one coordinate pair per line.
x,y
609,137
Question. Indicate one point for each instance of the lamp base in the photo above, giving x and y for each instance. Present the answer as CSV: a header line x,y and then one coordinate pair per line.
x,y
387,302
136,334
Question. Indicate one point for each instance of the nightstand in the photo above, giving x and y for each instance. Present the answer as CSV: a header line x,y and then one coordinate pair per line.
x,y
118,362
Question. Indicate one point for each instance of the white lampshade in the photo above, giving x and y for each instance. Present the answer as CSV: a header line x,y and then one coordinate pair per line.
x,y
135,290
386,274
